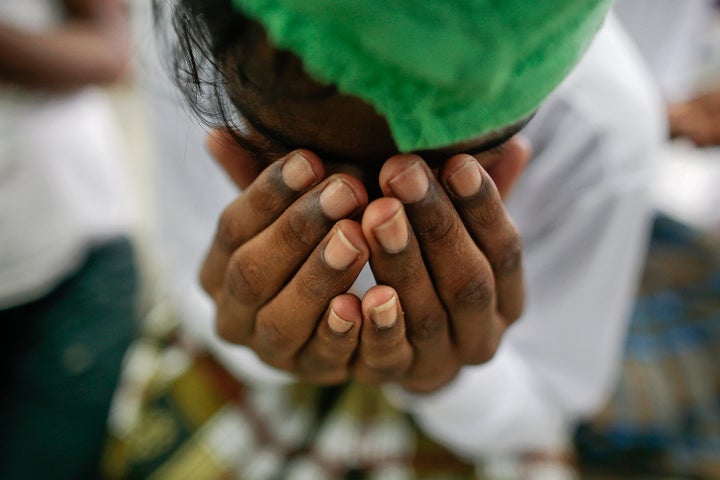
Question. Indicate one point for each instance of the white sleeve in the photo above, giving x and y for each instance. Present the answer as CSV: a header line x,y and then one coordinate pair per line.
x,y
558,361
583,209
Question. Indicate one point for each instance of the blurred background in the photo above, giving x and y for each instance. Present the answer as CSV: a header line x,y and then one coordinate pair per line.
x,y
663,420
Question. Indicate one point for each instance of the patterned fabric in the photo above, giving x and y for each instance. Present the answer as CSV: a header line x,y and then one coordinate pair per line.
x,y
181,415
664,417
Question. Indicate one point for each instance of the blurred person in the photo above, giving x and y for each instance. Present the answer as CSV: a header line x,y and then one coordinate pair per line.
x,y
67,280
672,36
580,206
663,419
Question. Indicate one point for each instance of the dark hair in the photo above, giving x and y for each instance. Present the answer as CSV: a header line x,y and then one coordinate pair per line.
x,y
213,47
210,37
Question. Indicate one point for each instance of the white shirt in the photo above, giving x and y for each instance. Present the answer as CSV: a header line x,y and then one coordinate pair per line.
x,y
61,185
670,35
582,209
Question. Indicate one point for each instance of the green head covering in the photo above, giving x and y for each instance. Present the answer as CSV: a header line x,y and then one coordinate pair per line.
x,y
439,71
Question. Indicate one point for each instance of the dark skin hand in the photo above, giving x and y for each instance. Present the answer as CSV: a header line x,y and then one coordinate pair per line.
x,y
446,256
441,246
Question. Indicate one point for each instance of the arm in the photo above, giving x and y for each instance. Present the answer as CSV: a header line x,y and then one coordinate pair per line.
x,y
91,47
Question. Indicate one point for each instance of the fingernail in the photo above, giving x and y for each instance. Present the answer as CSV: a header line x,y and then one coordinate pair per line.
x,y
411,185
466,180
393,234
385,315
297,172
337,200
339,252
337,324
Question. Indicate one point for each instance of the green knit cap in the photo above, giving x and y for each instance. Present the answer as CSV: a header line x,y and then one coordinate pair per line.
x,y
439,71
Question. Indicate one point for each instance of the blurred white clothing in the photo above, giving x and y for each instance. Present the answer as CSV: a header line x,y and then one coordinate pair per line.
x,y
582,209
669,35
61,186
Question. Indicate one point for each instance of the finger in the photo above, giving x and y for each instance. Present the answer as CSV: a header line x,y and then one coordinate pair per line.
x,y
384,354
485,218
277,187
396,260
505,163
460,272
286,323
241,165
259,269
325,359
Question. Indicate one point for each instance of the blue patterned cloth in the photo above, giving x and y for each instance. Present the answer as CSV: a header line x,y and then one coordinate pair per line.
x,y
664,416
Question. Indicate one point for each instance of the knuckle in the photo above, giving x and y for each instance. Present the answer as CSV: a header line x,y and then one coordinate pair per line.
x,y
401,275
409,273
226,328
295,234
274,360
488,210
514,315
272,340
510,257
439,229
244,279
265,204
427,327
316,288
475,292
510,311
481,353
230,229
384,368
207,281
323,363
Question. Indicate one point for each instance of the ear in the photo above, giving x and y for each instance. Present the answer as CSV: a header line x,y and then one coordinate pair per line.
x,y
505,163
241,166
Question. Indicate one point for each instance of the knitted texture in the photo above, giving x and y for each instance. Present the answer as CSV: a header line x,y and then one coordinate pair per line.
x,y
440,71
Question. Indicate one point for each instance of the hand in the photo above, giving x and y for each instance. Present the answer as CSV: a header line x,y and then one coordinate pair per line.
x,y
449,263
284,256
426,356
697,119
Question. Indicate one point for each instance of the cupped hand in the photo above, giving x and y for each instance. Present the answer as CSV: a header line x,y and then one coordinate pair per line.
x,y
446,257
284,255
448,260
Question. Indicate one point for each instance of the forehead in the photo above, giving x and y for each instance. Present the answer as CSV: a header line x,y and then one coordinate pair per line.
x,y
340,129
285,109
